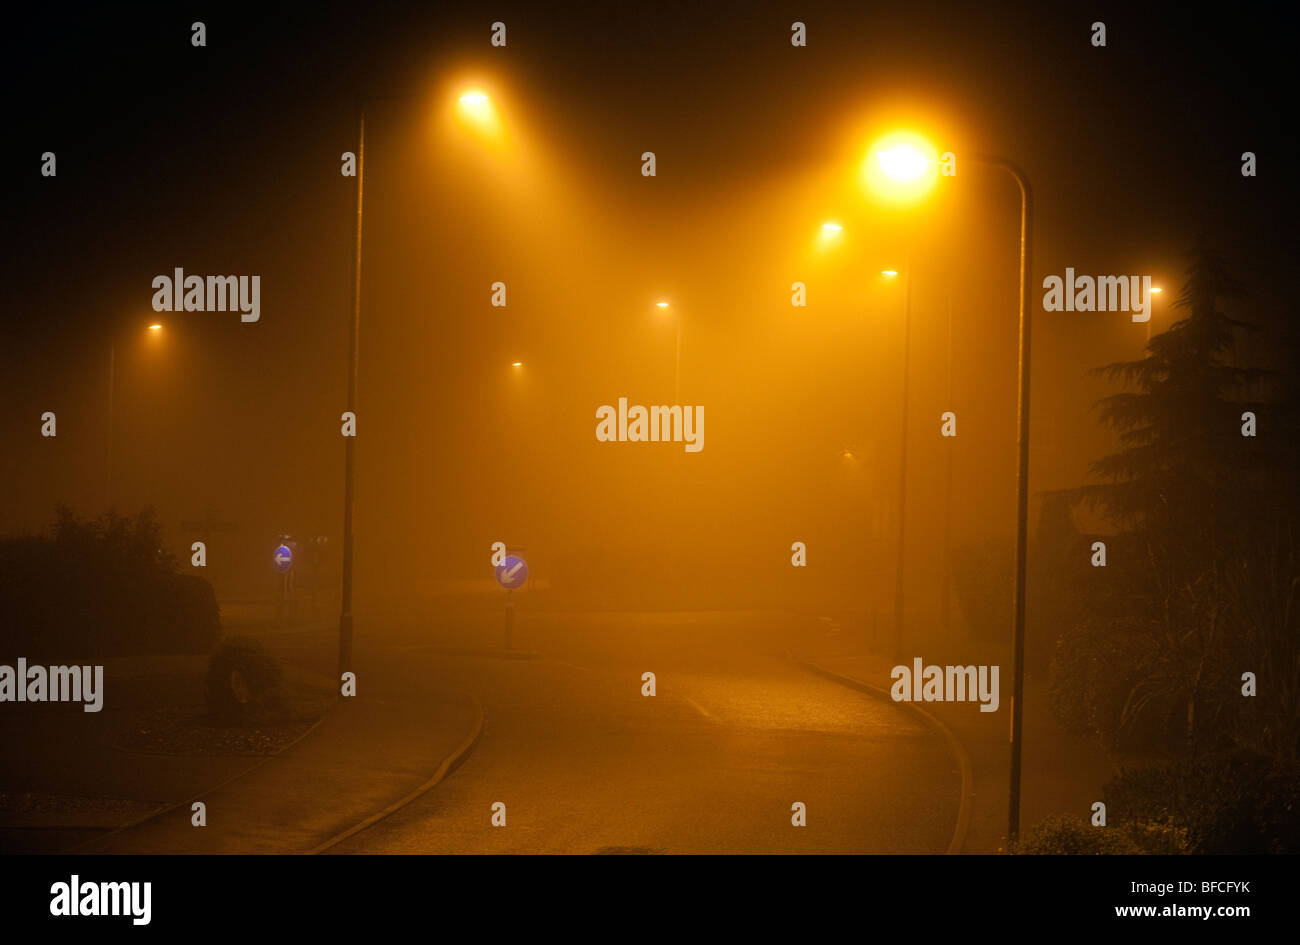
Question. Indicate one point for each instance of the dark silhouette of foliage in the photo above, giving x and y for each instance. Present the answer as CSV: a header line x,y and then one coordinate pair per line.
x,y
1201,578
101,587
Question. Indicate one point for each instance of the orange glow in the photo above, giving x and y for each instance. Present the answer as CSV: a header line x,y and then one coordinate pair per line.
x,y
889,273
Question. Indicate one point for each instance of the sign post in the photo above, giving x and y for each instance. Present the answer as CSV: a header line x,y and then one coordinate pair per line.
x,y
282,560
511,575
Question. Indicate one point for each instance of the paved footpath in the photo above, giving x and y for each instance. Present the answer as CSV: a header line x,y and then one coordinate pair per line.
x,y
1061,773
365,755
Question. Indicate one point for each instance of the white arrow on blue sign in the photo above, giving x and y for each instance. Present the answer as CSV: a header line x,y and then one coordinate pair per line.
x,y
283,559
513,573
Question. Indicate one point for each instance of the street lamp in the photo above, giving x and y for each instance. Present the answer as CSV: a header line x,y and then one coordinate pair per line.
x,y
154,328
901,167
902,452
477,107
1022,486
906,161
677,360
1155,290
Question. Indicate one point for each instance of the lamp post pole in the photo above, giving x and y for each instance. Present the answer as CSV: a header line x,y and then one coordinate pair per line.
x,y
349,447
902,462
112,384
677,368
1022,491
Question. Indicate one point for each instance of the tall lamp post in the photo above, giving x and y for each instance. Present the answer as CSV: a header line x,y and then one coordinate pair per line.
x,y
902,454
478,108
831,232
906,164
349,442
1022,489
154,327
677,359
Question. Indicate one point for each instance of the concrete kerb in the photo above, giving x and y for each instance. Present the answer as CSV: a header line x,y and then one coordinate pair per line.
x,y
956,747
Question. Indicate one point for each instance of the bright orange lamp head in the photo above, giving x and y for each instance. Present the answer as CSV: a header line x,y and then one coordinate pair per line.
x,y
901,167
475,109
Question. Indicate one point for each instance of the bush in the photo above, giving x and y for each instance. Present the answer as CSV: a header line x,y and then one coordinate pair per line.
x,y
1242,802
101,587
243,681
1069,835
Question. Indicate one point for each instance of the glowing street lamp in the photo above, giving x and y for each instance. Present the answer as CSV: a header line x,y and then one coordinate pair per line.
x,y
1155,290
1022,486
153,328
829,234
476,107
901,167
677,360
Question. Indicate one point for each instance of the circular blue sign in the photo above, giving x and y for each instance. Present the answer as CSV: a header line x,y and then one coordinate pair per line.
x,y
513,573
283,559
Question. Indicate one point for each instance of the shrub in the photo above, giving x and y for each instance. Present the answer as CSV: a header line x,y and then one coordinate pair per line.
x,y
1242,802
1070,835
100,587
243,681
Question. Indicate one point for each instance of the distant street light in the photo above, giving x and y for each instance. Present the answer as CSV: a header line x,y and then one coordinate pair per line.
x,y
1155,290
477,109
902,469
902,453
677,361
112,386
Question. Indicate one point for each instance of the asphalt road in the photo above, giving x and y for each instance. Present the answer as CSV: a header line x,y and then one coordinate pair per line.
x,y
584,763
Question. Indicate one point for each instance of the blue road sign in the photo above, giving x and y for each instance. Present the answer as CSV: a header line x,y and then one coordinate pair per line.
x,y
283,559
513,573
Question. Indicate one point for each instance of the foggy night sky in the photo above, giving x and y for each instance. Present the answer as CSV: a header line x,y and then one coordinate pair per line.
x,y
225,160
